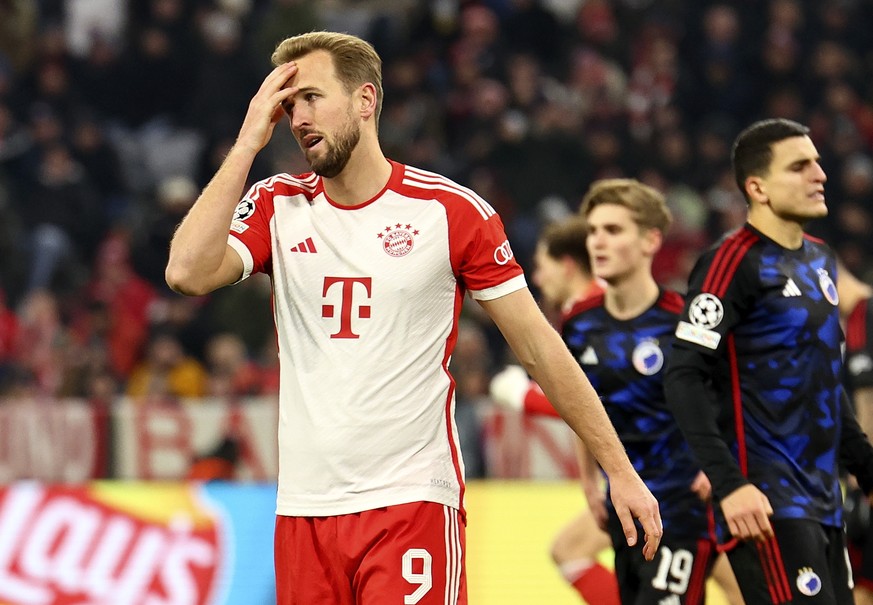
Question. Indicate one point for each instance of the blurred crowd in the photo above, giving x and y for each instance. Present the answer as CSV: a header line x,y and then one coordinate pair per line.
x,y
115,113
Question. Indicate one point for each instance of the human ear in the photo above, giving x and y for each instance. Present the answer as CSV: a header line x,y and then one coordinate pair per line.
x,y
367,100
756,190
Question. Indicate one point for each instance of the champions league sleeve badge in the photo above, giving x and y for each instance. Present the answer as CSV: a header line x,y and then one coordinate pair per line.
x,y
706,311
245,209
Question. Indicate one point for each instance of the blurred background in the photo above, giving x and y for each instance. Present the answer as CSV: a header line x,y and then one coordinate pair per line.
x,y
115,113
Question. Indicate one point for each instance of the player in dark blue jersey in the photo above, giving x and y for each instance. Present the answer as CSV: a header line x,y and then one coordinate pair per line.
x,y
857,311
563,273
621,339
755,379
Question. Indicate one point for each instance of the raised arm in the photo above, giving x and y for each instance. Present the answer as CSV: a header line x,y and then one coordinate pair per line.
x,y
200,259
540,349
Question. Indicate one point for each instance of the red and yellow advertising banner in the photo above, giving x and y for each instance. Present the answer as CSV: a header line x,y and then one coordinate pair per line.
x,y
136,544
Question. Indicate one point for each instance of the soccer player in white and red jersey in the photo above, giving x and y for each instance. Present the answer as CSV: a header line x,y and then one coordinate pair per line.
x,y
370,261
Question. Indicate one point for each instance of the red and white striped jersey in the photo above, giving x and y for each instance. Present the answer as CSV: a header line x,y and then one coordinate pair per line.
x,y
366,301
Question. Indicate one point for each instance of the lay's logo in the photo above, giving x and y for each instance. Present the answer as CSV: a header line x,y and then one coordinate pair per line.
x,y
106,543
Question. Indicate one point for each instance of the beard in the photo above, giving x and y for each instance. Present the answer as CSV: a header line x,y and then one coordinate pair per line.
x,y
337,155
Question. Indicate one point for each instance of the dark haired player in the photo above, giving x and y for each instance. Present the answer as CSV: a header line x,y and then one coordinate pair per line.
x,y
755,379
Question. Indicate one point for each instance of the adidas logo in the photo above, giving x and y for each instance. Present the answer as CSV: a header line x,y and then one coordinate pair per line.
x,y
589,357
307,246
790,289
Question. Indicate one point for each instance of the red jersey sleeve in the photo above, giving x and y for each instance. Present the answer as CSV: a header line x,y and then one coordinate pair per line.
x,y
480,254
250,228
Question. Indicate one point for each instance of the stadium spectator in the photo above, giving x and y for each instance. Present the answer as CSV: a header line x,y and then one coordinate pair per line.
x,y
121,304
9,341
231,373
167,374
61,212
173,196
42,342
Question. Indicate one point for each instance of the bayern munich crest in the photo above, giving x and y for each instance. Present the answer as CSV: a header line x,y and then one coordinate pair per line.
x,y
398,240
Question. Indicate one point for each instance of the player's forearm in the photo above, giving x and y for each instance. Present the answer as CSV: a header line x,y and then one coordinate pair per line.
x,y
576,401
199,244
691,403
589,471
864,408
856,453
544,355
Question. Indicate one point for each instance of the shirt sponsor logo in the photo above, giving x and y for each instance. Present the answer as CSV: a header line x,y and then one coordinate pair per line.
x,y
706,311
648,359
700,336
398,240
245,209
503,253
350,306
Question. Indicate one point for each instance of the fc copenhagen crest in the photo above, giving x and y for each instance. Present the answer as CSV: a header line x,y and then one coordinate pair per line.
x,y
398,240
648,358
828,287
808,582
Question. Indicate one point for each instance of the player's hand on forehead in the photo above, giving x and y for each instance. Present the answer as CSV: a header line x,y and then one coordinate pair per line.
x,y
283,76
267,107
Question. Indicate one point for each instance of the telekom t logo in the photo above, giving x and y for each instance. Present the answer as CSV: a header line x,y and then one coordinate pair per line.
x,y
348,287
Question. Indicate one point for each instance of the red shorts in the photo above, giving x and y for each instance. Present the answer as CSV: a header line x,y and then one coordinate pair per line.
x,y
409,554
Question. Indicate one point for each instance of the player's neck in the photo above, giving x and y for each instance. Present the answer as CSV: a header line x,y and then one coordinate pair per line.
x,y
786,233
365,175
630,297
579,290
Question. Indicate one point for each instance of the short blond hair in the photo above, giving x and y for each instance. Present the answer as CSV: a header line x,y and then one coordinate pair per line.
x,y
355,60
647,204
